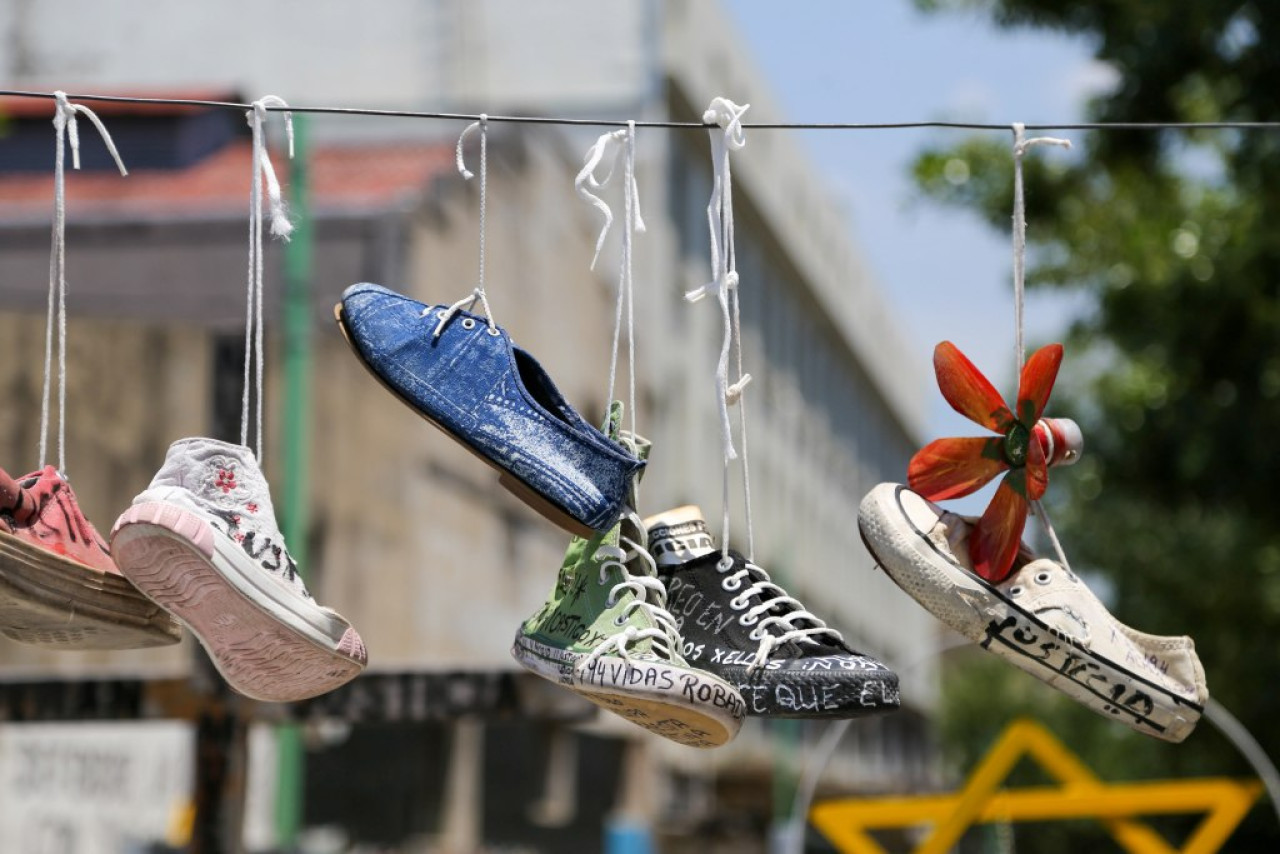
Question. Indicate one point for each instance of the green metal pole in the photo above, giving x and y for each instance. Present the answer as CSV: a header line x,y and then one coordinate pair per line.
x,y
296,448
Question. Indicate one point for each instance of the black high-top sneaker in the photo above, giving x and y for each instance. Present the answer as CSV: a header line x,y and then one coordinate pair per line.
x,y
742,627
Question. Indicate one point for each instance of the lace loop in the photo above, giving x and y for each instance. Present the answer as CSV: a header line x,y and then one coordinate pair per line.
x,y
477,294
66,132
281,227
724,120
469,302
605,150
1020,147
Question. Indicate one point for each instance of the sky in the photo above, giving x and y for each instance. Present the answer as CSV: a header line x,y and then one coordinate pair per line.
x,y
948,274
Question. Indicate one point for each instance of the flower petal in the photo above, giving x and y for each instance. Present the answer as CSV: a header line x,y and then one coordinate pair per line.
x,y
967,390
997,535
1038,376
951,468
1037,470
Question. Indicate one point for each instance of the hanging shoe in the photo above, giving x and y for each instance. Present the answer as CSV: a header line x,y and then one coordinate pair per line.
x,y
604,633
202,542
59,587
743,627
1042,618
491,396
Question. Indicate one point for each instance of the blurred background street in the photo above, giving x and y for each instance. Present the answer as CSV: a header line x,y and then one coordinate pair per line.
x,y
1152,257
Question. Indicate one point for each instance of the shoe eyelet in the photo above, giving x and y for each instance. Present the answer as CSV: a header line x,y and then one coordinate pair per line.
x,y
493,330
620,620
441,314
468,323
737,604
1016,591
724,564
748,620
755,635
1043,578
731,583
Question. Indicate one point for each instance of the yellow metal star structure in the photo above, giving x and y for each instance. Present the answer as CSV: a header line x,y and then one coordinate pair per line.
x,y
1224,801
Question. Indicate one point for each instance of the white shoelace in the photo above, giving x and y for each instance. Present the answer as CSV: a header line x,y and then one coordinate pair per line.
x,y
785,623
649,597
66,130
607,148
1020,147
281,227
477,294
647,590
727,137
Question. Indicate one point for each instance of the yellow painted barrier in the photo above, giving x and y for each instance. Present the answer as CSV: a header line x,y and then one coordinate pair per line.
x,y
847,822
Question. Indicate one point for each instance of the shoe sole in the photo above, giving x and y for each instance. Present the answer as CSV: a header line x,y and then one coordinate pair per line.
x,y
265,646
951,593
685,722
52,601
803,695
544,506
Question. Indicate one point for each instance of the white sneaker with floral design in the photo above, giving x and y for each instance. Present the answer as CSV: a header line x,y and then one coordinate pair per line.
x,y
202,542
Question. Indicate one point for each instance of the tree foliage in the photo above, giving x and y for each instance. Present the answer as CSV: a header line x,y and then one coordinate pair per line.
x,y
1175,372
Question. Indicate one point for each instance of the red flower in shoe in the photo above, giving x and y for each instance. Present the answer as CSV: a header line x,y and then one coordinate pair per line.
x,y
1027,445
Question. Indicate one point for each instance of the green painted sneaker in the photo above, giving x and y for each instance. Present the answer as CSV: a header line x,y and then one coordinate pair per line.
x,y
605,633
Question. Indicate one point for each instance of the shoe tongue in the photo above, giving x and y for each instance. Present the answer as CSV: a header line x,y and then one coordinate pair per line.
x,y
633,443
679,536
1064,620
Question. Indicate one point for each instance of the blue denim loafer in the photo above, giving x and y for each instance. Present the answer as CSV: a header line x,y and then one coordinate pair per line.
x,y
464,375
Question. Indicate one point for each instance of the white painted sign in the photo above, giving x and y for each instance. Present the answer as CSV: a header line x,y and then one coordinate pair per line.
x,y
93,788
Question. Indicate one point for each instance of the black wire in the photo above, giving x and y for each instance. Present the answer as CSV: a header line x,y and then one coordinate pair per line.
x,y
550,120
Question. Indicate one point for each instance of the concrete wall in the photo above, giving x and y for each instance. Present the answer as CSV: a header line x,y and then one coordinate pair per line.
x,y
411,538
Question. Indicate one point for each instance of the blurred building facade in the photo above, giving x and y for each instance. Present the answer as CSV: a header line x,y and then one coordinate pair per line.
x,y
408,536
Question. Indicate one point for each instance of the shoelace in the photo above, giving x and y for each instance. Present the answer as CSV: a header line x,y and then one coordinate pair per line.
x,y
477,294
66,130
281,227
1020,147
664,634
607,148
726,137
794,611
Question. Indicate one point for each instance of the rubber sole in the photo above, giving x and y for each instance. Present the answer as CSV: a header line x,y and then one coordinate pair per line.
x,y
52,601
546,508
264,646
674,708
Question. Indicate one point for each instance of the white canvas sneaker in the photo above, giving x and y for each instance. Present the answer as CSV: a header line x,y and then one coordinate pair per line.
x,y
1041,618
202,542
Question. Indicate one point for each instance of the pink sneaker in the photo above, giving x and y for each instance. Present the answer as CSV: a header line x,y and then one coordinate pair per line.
x,y
58,585
202,542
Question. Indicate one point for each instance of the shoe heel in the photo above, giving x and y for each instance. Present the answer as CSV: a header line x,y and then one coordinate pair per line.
x,y
186,525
